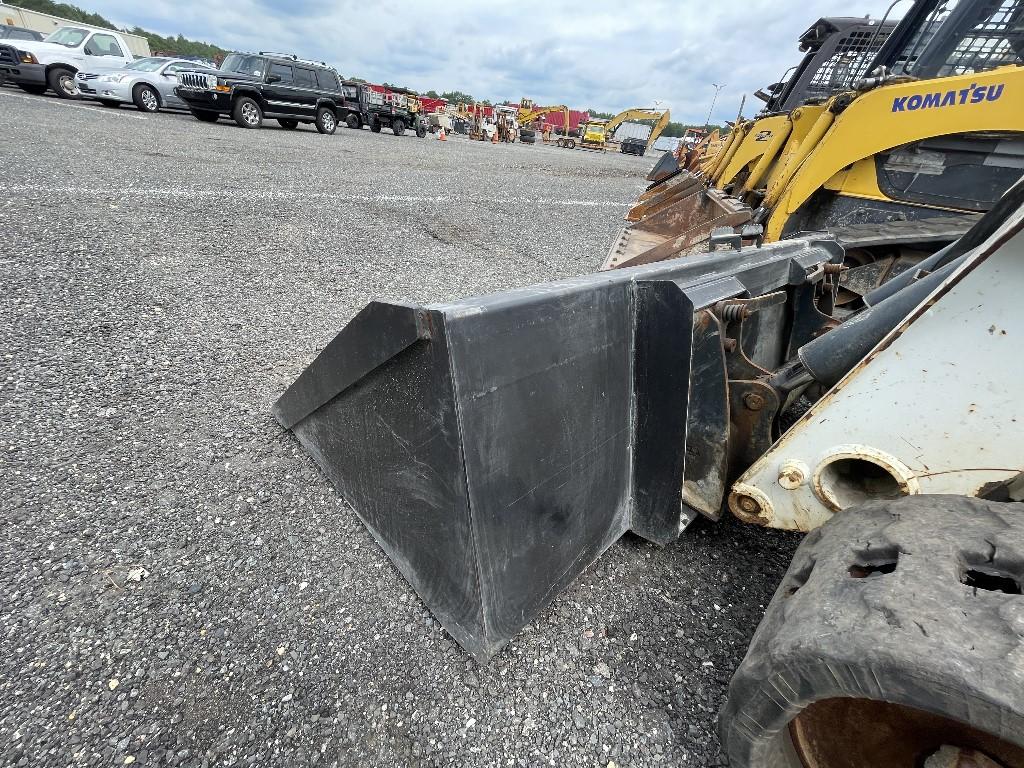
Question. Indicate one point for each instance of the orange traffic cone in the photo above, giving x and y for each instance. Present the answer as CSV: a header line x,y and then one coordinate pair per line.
x,y
441,136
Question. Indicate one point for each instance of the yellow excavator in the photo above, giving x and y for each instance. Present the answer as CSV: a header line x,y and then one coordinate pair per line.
x,y
597,133
529,112
896,154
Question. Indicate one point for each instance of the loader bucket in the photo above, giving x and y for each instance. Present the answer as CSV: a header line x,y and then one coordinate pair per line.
x,y
496,446
675,223
667,165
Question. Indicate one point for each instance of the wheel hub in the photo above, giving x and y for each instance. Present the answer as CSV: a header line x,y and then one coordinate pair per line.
x,y
855,733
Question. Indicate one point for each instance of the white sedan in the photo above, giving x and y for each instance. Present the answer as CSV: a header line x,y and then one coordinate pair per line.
x,y
147,83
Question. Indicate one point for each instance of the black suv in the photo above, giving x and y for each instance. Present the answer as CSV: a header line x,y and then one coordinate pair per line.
x,y
251,86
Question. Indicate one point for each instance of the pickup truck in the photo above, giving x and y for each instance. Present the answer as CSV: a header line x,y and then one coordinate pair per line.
x,y
53,62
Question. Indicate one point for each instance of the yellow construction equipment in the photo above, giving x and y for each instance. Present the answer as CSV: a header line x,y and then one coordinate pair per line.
x,y
897,163
597,133
530,113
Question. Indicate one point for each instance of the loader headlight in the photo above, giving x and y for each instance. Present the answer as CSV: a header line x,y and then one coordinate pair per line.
x,y
27,58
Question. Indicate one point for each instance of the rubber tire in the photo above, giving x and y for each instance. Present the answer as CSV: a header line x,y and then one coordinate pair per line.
x,y
288,123
326,120
915,636
205,116
236,113
421,130
398,127
353,121
137,98
111,104
35,90
375,126
53,78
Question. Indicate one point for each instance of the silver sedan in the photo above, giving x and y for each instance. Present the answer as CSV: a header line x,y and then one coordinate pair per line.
x,y
147,83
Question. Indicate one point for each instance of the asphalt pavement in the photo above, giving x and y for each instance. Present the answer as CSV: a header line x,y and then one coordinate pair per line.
x,y
181,585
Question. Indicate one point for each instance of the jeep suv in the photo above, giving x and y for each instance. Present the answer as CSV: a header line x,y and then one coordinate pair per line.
x,y
250,87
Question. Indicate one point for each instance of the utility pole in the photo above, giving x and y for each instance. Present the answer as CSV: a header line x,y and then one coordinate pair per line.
x,y
707,123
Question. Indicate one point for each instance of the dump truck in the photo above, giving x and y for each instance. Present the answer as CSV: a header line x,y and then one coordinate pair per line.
x,y
917,142
496,446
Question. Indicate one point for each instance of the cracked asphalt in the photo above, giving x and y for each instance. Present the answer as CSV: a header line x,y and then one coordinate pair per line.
x,y
181,585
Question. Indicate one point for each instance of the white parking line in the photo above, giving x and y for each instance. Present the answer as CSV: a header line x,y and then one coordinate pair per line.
x,y
73,104
279,194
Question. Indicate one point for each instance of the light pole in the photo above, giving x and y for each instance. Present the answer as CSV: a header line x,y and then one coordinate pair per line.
x,y
707,123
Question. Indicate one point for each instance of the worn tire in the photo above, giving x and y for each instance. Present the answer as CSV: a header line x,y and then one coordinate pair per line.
x,y
353,121
421,130
894,632
145,98
35,90
326,120
375,126
205,116
62,82
398,127
288,123
247,113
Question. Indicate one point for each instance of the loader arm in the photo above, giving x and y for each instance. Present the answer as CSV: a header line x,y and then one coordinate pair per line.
x,y
899,115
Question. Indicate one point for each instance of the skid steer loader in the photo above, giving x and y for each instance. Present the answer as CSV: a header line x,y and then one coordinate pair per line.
x,y
497,445
901,161
835,50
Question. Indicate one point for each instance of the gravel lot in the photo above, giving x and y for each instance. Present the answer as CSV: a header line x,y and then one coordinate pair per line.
x,y
181,586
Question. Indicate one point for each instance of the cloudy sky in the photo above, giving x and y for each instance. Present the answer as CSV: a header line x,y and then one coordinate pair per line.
x,y
601,54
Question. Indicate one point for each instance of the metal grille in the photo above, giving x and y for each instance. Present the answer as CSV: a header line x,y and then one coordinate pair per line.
x,y
192,80
995,39
7,55
853,55
990,37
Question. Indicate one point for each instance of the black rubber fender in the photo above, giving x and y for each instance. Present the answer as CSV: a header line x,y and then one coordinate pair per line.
x,y
898,628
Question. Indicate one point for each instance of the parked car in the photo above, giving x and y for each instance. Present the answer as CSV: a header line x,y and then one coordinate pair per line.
x,y
7,32
53,63
250,87
147,83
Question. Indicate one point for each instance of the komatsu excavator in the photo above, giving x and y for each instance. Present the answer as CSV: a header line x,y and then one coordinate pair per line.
x,y
496,446
597,133
896,155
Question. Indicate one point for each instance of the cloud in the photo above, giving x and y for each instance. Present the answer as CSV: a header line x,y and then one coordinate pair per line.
x,y
600,54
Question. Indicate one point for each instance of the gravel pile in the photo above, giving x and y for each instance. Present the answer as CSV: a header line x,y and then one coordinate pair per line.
x,y
181,586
